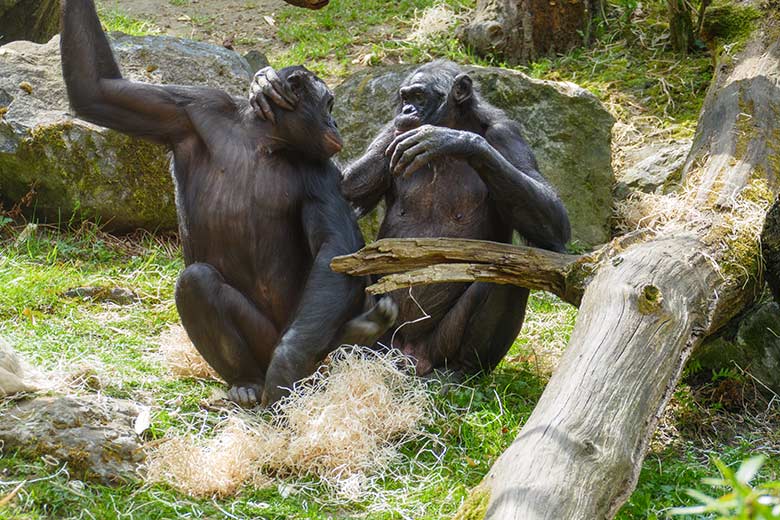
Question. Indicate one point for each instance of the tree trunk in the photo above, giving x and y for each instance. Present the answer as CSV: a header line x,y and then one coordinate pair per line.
x,y
680,25
33,20
770,246
648,303
519,31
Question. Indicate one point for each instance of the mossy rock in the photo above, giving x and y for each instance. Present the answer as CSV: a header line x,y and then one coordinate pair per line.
x,y
75,170
752,342
567,128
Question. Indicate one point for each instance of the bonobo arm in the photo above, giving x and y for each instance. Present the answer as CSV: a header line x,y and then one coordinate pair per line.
x,y
367,179
329,299
504,161
99,94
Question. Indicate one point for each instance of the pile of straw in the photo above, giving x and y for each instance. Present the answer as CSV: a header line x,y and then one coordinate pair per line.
x,y
344,425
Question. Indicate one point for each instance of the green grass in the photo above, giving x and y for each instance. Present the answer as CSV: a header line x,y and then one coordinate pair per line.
x,y
475,422
115,20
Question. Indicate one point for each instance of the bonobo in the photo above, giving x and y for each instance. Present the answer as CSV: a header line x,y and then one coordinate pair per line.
x,y
451,165
260,214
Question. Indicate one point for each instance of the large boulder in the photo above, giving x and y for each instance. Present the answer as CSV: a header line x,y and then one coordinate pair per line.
x,y
76,168
567,128
95,435
34,20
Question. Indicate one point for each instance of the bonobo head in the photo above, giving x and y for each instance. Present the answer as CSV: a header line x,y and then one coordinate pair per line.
x,y
309,128
308,4
433,94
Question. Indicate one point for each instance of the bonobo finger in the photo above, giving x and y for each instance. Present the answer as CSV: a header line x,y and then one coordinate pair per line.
x,y
408,157
402,147
278,90
265,109
398,139
420,161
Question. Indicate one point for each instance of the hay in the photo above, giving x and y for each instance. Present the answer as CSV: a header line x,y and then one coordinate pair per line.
x,y
434,22
344,426
181,357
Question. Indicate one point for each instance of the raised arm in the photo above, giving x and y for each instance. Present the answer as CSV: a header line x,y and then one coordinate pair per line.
x,y
99,94
367,179
329,299
523,196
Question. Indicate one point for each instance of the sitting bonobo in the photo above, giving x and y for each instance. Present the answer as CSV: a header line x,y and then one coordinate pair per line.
x,y
451,165
260,212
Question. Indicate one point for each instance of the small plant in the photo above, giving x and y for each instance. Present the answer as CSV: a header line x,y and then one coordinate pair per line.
x,y
742,501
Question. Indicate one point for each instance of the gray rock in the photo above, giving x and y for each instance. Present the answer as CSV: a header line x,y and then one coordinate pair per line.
x,y
34,20
568,129
94,435
753,343
256,59
653,167
76,168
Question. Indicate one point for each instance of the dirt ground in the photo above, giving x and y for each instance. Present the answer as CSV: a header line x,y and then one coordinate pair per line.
x,y
246,24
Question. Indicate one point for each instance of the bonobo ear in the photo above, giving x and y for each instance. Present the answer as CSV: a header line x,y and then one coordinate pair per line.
x,y
462,88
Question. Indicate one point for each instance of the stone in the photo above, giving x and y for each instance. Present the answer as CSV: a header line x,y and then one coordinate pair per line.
x,y
74,169
567,128
33,20
95,435
653,167
753,343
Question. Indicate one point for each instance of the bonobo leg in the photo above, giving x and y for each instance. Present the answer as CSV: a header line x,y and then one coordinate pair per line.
x,y
228,330
476,333
365,329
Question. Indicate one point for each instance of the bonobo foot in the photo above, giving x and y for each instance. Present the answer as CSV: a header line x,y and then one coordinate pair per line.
x,y
245,394
367,328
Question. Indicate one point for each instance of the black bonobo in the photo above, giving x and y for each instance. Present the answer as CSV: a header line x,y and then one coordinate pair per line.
x,y
451,165
260,213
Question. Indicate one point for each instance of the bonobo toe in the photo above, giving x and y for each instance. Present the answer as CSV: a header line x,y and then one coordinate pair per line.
x,y
246,395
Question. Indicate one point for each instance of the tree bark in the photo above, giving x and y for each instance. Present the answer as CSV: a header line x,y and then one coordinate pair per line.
x,y
647,304
770,246
680,25
33,20
522,30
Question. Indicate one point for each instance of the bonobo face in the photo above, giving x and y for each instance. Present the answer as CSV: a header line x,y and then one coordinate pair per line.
x,y
308,4
431,95
310,128
421,101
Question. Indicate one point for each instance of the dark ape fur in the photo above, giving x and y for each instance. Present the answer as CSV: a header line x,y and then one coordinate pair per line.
x,y
451,165
261,214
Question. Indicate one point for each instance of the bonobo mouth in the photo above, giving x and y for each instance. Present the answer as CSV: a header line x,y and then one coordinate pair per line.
x,y
333,143
406,123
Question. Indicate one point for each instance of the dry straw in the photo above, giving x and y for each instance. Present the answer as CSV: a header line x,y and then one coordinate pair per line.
x,y
344,426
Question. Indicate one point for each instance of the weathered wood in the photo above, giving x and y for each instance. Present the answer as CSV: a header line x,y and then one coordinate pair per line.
x,y
637,324
34,20
522,30
680,25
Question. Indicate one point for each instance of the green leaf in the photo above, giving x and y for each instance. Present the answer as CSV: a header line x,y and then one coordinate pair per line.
x,y
748,469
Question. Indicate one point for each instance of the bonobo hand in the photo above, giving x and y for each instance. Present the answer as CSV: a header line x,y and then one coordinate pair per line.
x,y
268,88
412,150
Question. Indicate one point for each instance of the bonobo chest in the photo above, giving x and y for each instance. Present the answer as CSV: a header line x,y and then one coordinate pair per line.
x,y
447,196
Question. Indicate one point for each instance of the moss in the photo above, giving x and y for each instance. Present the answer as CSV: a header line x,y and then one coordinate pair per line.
x,y
729,23
82,174
475,506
